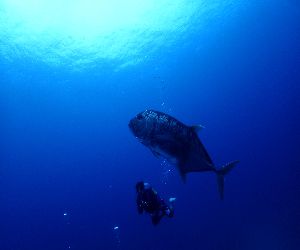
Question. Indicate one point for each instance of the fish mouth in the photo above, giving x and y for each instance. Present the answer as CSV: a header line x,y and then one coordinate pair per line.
x,y
131,126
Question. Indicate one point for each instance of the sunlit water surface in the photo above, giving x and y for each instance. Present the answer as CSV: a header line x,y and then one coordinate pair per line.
x,y
84,33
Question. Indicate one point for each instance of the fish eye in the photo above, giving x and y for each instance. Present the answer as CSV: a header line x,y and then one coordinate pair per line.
x,y
139,117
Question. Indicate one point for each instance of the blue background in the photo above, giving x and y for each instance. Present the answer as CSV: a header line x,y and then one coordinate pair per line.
x,y
66,147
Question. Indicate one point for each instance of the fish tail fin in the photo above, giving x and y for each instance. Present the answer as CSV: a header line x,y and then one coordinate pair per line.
x,y
221,172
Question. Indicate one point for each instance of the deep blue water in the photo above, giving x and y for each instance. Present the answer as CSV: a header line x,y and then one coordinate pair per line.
x,y
69,163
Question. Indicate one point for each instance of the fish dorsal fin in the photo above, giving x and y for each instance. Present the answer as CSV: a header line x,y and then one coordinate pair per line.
x,y
197,128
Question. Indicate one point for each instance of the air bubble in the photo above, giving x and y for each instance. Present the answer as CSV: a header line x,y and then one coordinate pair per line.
x,y
166,171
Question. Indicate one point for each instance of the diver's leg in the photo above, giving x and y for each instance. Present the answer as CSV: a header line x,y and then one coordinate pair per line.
x,y
156,217
171,207
167,210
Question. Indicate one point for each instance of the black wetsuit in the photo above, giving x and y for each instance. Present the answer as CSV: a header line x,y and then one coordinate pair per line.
x,y
149,201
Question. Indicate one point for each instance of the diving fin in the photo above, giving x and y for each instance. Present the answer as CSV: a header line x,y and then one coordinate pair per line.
x,y
172,199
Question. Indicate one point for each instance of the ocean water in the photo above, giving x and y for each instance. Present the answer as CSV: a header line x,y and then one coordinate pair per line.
x,y
72,75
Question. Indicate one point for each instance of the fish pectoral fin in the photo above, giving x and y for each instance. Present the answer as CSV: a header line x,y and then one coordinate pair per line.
x,y
197,128
156,154
182,171
183,177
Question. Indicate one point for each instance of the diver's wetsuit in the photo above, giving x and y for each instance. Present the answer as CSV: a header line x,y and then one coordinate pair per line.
x,y
149,201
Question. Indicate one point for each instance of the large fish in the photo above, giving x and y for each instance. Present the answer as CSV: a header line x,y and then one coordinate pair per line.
x,y
169,138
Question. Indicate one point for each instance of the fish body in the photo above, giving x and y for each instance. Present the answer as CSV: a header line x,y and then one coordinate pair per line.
x,y
171,139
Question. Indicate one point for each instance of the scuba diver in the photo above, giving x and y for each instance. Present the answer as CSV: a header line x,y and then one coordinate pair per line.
x,y
149,201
